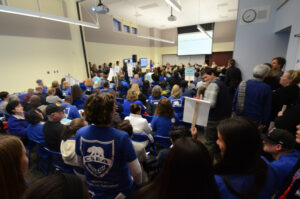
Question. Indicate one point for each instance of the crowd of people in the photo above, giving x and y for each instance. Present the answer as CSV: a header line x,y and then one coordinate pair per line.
x,y
251,148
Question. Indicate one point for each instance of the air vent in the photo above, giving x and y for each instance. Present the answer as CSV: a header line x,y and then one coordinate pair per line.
x,y
222,4
262,14
149,6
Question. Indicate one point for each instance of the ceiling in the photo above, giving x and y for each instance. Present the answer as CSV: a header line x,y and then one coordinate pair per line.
x,y
154,13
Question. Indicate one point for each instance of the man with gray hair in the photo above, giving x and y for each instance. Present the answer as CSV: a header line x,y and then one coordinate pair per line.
x,y
253,98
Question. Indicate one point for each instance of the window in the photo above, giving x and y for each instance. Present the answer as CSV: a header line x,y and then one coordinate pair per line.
x,y
134,30
126,28
117,25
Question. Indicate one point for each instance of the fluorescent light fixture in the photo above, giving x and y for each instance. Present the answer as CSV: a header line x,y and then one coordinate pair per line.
x,y
29,13
174,4
199,27
156,39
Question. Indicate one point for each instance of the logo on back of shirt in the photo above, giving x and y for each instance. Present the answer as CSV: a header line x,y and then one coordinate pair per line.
x,y
98,156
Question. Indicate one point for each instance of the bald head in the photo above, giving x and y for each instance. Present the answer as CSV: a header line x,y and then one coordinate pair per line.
x,y
35,100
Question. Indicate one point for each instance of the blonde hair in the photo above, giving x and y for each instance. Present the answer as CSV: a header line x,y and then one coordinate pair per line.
x,y
175,91
132,95
66,85
89,82
136,88
294,75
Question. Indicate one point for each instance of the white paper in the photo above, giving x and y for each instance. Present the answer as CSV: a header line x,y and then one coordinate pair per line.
x,y
111,74
189,108
129,69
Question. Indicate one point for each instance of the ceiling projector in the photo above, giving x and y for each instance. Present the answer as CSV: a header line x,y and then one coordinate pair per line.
x,y
100,8
172,18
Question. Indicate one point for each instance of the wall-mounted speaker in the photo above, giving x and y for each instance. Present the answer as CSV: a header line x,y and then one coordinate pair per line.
x,y
134,58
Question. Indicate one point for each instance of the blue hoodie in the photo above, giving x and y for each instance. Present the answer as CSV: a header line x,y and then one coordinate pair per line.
x,y
17,126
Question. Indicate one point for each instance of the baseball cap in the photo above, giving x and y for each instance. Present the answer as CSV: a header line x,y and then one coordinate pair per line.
x,y
38,81
280,136
52,108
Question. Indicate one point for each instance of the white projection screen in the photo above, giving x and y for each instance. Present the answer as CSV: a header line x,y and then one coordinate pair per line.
x,y
195,43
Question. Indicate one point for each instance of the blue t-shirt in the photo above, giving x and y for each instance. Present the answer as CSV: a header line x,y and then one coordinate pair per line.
x,y
127,103
162,125
66,92
284,166
152,100
106,91
167,79
243,184
71,111
35,133
178,104
79,103
89,88
105,153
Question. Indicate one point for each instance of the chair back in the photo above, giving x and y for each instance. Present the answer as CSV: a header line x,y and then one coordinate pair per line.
x,y
162,140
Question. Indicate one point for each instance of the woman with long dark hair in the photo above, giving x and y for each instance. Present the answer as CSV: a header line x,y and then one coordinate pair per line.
x,y
187,173
13,164
241,172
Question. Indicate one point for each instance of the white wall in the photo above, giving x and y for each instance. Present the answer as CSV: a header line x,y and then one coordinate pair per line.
x,y
175,59
288,16
28,51
257,43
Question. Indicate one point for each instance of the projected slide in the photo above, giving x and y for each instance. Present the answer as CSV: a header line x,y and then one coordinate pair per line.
x,y
143,62
196,43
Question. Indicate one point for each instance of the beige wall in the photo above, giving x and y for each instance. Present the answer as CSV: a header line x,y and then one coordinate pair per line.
x,y
32,47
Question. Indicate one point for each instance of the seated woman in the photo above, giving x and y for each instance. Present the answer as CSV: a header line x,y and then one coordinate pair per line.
x,y
185,90
35,128
154,99
13,164
146,88
164,77
78,97
241,172
66,88
16,120
137,80
164,118
139,147
89,86
106,88
132,98
52,98
108,158
177,100
165,89
142,97
139,124
67,146
55,85
187,162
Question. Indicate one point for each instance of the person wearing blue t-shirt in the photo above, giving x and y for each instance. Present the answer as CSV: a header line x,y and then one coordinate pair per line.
x,y
16,120
106,88
41,83
154,99
78,97
132,98
241,172
164,77
177,100
164,118
71,111
66,89
106,154
281,145
35,127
